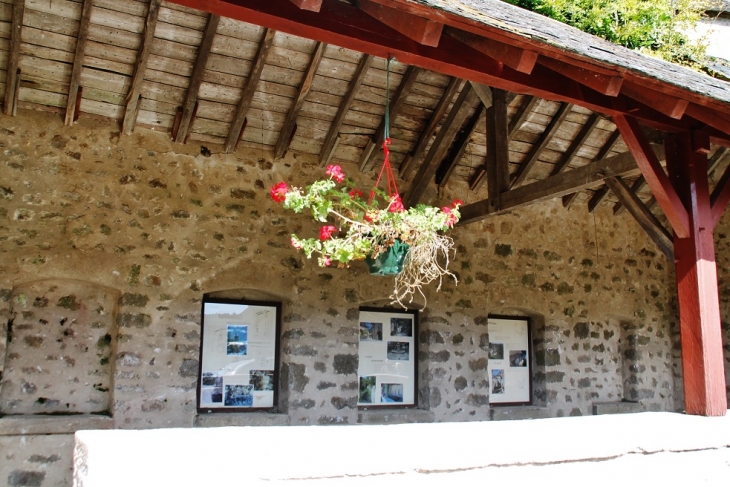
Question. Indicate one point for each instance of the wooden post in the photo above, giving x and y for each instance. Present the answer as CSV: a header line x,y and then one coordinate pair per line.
x,y
699,308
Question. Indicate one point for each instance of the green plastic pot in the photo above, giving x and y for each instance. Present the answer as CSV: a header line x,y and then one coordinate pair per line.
x,y
390,262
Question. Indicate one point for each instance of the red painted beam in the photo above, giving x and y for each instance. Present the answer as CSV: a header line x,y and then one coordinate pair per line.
x,y
654,174
669,105
522,60
603,83
703,367
420,29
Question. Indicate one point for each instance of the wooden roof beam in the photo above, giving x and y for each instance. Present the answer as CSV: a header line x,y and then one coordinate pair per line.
x,y
577,143
191,96
668,105
420,29
287,132
523,111
606,84
709,117
645,218
541,144
564,183
603,191
497,162
517,58
414,156
619,207
234,134
311,5
329,145
454,120
12,80
446,168
368,156
133,97
75,82
655,176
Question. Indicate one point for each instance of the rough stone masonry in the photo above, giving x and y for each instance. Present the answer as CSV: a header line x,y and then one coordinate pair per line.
x,y
108,243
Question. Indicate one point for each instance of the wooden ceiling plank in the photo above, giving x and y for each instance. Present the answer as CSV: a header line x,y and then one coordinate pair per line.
x,y
517,58
287,131
580,139
541,144
619,207
368,157
252,82
191,96
452,125
602,83
311,5
668,105
135,90
11,80
564,183
655,176
325,154
422,30
75,81
446,168
523,111
645,218
410,160
601,193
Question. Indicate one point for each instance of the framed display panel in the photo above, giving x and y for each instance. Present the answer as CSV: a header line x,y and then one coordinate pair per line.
x,y
239,355
510,361
388,356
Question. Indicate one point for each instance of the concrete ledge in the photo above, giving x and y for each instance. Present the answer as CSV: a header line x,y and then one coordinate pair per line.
x,y
240,419
518,412
53,425
618,407
395,416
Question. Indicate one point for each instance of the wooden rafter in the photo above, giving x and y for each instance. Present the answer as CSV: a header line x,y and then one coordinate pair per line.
x,y
235,132
607,84
541,144
368,156
287,132
75,82
447,166
564,183
523,111
668,105
421,30
619,207
656,178
452,125
132,107
645,218
521,60
325,154
11,81
710,118
311,5
438,113
577,143
604,190
191,96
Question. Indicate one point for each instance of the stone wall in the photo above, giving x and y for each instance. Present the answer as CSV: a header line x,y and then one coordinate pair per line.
x,y
158,224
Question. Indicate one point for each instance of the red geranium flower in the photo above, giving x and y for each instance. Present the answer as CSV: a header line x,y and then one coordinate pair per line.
x,y
335,172
457,203
396,204
279,191
326,232
355,193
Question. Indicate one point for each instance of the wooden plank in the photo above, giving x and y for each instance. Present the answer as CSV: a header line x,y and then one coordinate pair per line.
x,y
483,92
286,133
564,183
248,91
135,90
577,143
655,176
523,111
645,218
540,146
446,168
11,81
601,193
619,207
454,120
414,156
78,63
603,83
369,156
521,60
422,30
328,146
191,97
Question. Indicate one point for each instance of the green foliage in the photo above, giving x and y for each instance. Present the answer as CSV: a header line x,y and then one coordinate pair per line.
x,y
655,27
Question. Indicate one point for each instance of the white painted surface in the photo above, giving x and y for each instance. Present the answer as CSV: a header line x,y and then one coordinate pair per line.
x,y
651,448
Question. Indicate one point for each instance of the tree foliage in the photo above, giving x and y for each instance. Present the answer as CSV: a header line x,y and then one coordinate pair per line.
x,y
656,27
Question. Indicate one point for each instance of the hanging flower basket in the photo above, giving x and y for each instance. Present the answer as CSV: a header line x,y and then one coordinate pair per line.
x,y
390,262
374,230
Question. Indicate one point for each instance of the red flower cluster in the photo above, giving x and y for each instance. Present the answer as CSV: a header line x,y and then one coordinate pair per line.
x,y
457,203
335,172
325,233
279,191
355,193
396,204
